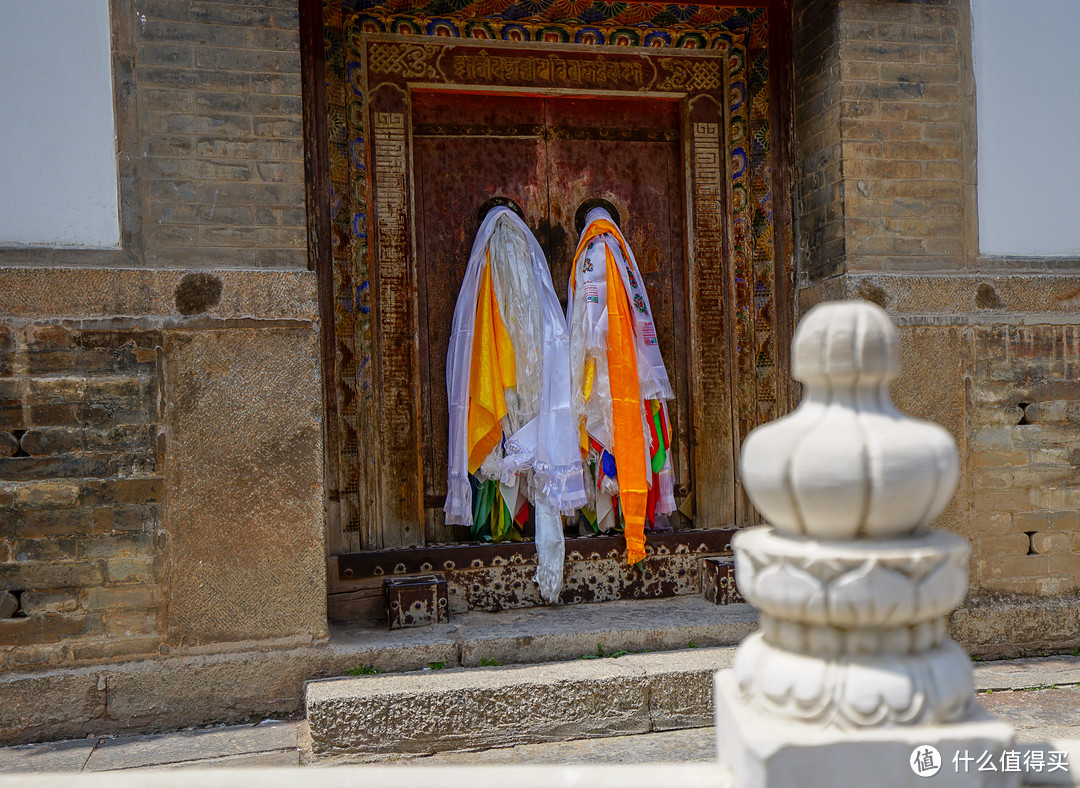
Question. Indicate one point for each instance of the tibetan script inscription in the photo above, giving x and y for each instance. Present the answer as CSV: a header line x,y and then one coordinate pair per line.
x,y
547,70
390,170
708,286
390,152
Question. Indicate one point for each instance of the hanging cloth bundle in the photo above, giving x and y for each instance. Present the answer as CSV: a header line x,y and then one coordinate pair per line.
x,y
508,384
619,386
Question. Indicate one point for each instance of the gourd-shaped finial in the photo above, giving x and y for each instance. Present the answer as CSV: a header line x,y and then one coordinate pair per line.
x,y
846,463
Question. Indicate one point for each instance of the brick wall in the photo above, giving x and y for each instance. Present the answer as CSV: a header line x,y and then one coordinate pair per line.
x,y
218,87
880,142
80,493
900,67
816,47
1025,411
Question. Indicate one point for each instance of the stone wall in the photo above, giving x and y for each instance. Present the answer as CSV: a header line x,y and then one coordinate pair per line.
x,y
990,349
161,485
82,491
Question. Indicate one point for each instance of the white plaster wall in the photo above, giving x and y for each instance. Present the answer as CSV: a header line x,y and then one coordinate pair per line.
x,y
58,182
1027,86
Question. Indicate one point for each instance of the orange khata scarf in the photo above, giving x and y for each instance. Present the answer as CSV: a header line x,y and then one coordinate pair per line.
x,y
628,437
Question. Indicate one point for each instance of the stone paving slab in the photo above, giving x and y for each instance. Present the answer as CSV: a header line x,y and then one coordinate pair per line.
x,y
1025,673
1039,715
687,775
138,751
694,745
279,759
62,756
689,746
1056,708
166,693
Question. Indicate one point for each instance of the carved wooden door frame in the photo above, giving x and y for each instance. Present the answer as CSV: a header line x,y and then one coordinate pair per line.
x,y
373,310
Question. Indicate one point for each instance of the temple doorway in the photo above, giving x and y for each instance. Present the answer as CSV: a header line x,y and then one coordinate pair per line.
x,y
429,119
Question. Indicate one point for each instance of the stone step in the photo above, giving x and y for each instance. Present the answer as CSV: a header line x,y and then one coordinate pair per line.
x,y
549,634
473,708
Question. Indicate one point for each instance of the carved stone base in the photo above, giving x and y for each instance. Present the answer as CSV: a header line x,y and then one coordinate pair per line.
x,y
764,751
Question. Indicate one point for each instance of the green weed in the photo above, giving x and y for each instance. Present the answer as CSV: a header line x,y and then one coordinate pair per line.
x,y
489,663
601,655
437,665
363,670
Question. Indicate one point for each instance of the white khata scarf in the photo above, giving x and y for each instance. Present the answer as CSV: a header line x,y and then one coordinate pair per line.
x,y
512,393
597,297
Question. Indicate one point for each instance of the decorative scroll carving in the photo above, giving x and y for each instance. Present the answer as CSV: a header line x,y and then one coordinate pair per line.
x,y
691,75
404,60
708,215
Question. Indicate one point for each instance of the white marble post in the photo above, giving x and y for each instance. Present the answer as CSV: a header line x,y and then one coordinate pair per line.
x,y
851,673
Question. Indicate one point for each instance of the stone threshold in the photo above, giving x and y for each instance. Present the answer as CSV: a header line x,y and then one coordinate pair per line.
x,y
461,709
432,711
551,633
172,692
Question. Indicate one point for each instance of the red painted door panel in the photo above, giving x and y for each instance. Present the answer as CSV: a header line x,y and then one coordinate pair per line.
x,y
547,154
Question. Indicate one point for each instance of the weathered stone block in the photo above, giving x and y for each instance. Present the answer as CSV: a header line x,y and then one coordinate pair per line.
x,y
43,549
32,575
47,493
36,708
38,523
51,440
47,628
120,491
130,570
129,624
120,598
245,459
119,546
37,602
470,709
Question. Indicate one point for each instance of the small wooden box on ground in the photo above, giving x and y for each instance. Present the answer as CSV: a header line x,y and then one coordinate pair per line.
x,y
718,580
416,601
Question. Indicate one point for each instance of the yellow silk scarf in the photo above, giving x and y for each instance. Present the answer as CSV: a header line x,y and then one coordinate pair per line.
x,y
492,372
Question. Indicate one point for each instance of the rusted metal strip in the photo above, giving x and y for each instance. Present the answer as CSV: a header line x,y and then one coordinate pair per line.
x,y
354,566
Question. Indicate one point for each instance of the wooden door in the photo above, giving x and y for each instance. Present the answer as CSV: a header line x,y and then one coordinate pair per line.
x,y
548,155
